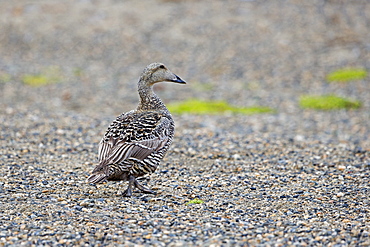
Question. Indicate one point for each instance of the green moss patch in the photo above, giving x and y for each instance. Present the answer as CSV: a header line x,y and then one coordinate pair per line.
x,y
327,102
194,106
195,201
344,75
50,75
4,77
78,72
35,80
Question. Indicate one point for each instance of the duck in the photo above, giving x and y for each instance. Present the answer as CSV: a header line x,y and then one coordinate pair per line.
x,y
136,141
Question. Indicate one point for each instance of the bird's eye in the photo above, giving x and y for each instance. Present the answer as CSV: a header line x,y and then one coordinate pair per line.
x,y
162,67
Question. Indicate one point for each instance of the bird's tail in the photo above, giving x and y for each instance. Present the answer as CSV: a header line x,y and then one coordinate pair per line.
x,y
96,178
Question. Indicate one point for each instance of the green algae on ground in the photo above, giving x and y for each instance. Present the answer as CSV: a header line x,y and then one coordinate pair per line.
x,y
194,106
327,102
49,75
195,201
344,75
35,80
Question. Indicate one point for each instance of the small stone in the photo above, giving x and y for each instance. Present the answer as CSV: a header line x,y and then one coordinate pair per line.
x,y
340,194
85,203
341,167
236,157
299,138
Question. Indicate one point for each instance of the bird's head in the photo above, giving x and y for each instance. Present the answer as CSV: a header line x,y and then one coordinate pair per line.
x,y
158,72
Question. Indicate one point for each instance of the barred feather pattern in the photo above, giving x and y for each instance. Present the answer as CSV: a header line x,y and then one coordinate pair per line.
x,y
135,143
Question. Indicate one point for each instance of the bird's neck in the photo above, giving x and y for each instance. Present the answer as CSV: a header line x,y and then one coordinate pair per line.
x,y
148,99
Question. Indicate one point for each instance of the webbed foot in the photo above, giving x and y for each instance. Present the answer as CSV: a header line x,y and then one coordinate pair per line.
x,y
132,182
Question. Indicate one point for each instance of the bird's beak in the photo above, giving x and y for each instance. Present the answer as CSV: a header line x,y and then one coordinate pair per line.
x,y
178,80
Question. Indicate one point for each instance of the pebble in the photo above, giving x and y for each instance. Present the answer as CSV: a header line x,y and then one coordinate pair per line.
x,y
341,167
340,194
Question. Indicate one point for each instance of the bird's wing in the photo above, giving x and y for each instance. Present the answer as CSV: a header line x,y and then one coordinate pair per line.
x,y
104,148
138,150
142,136
115,130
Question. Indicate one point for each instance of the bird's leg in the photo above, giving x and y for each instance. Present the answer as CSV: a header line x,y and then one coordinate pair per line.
x,y
131,182
142,187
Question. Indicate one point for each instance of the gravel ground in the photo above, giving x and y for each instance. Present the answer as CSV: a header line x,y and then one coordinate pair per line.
x,y
290,178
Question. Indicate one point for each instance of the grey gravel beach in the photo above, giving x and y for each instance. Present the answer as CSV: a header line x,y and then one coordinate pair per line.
x,y
294,177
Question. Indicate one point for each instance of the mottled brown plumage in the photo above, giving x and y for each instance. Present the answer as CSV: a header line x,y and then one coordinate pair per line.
x,y
136,141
